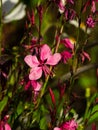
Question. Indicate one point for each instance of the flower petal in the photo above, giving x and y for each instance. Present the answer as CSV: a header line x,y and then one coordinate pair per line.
x,y
7,126
36,85
68,44
32,61
54,59
35,73
57,128
45,52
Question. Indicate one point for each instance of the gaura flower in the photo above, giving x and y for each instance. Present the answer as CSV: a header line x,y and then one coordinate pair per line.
x,y
4,126
84,55
66,55
69,125
67,43
93,7
34,84
57,128
90,22
69,14
61,5
39,64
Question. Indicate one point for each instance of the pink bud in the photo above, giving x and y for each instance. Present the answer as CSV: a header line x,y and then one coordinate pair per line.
x,y
52,96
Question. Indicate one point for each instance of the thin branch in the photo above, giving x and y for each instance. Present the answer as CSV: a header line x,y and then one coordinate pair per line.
x,y
79,71
91,45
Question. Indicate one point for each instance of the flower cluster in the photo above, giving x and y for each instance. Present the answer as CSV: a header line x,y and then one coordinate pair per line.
x,y
68,125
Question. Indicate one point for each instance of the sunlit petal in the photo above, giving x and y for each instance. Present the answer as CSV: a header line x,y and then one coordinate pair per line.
x,y
35,73
31,61
45,52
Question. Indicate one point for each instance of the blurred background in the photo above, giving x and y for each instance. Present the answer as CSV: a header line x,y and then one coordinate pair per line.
x,y
14,36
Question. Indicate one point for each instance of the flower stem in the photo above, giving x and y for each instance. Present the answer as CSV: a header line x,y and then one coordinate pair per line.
x,y
47,78
58,42
42,92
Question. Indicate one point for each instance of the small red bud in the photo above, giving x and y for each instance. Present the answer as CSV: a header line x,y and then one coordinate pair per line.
x,y
52,96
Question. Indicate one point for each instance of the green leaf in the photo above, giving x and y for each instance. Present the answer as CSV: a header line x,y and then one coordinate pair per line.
x,y
43,123
20,108
36,116
3,103
93,98
93,115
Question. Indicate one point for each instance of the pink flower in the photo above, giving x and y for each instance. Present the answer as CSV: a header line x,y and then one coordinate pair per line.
x,y
39,64
69,125
57,128
4,126
93,7
34,84
67,43
84,55
69,14
66,55
61,5
90,22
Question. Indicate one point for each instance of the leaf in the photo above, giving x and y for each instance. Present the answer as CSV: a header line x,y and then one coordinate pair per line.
x,y
43,123
93,115
36,116
3,103
20,108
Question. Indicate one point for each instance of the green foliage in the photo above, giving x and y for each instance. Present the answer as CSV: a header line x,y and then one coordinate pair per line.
x,y
93,115
43,123
20,108
3,103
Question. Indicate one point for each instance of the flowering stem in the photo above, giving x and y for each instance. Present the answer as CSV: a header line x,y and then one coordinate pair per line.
x,y
79,71
47,78
42,92
58,42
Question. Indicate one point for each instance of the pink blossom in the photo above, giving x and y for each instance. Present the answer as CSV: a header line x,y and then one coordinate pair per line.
x,y
93,7
66,55
69,125
34,84
60,4
69,14
68,44
90,22
57,128
39,64
4,126
84,56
